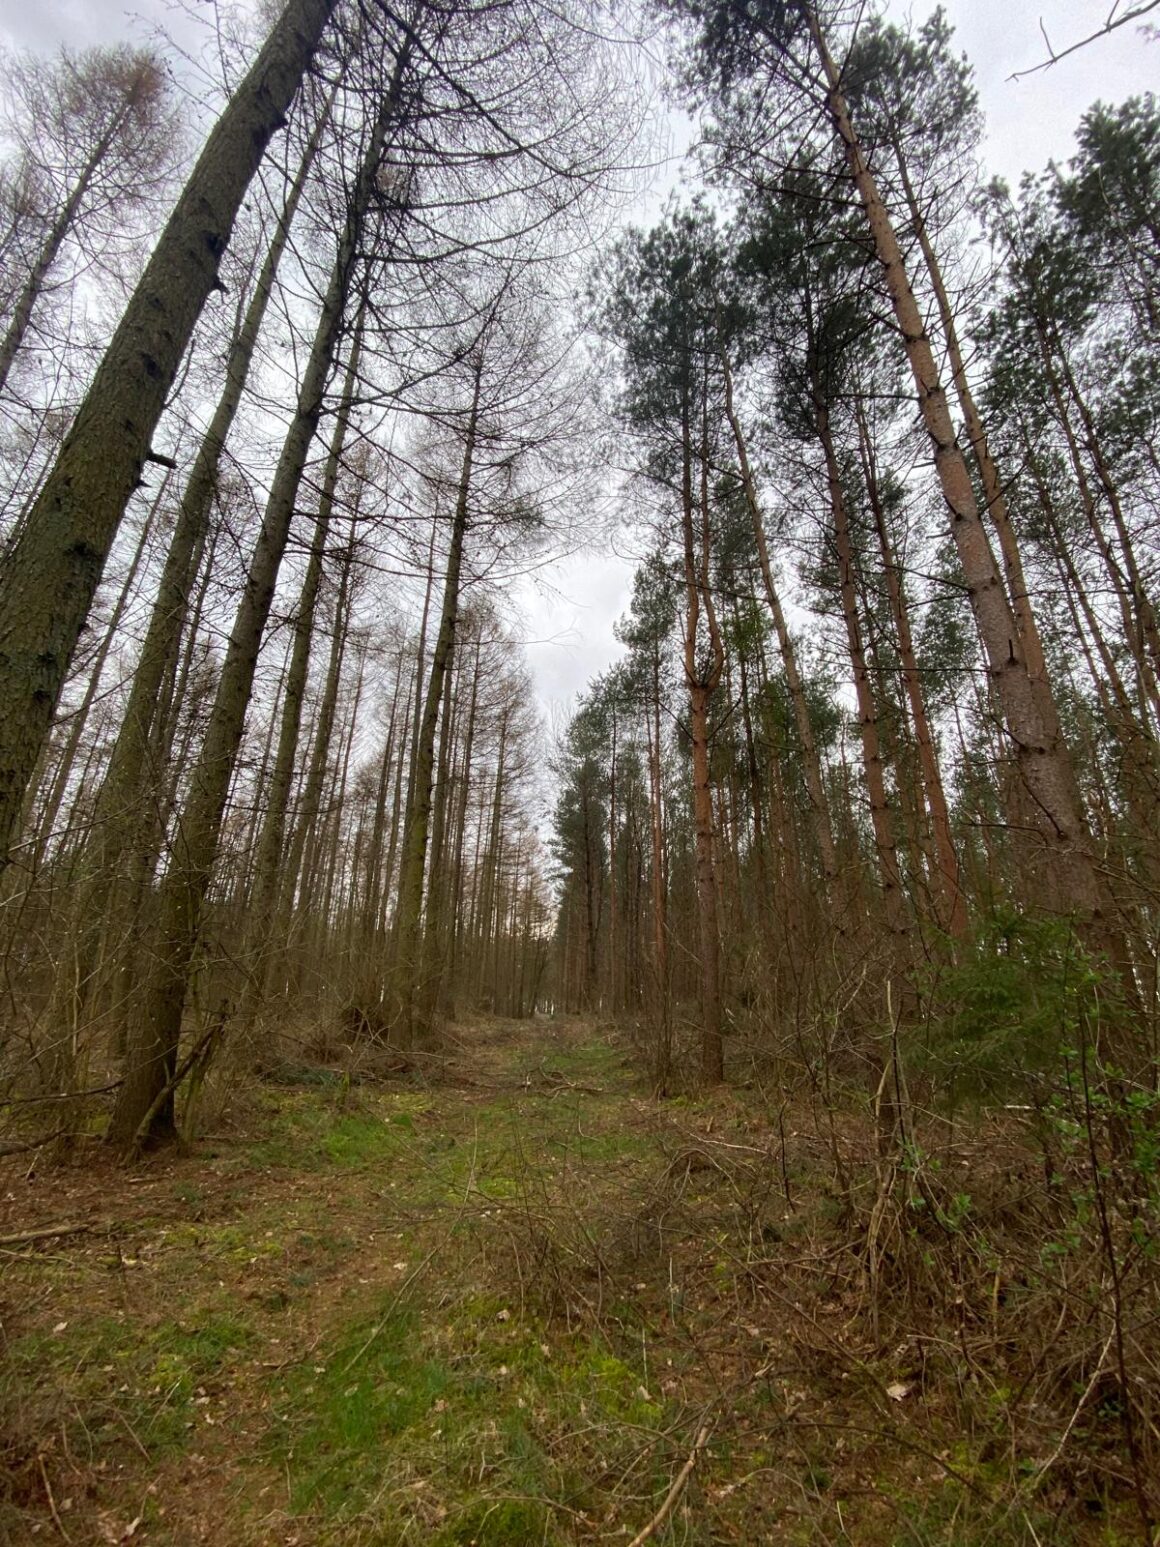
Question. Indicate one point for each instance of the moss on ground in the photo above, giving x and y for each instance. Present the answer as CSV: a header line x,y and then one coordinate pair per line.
x,y
497,1310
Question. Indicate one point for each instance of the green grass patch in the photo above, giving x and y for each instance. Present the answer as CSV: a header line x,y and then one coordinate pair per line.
x,y
336,1418
459,1426
953,1517
306,1134
113,1381
590,1062
500,1523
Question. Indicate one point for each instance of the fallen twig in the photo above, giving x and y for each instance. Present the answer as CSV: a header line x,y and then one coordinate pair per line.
x,y
51,1501
31,1144
674,1493
22,1236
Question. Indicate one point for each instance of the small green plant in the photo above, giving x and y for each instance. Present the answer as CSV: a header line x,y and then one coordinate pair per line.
x,y
1016,995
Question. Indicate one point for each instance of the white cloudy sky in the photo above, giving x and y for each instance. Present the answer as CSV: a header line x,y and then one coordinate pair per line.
x,y
569,627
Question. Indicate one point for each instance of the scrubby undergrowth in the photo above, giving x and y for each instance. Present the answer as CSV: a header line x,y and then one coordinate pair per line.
x,y
506,1301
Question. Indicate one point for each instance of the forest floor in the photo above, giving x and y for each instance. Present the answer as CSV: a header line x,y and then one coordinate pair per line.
x,y
509,1302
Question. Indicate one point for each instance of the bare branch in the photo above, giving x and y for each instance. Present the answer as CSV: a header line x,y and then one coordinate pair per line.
x,y
1110,25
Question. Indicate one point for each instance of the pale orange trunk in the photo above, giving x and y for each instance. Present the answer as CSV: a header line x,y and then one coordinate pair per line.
x,y
1069,878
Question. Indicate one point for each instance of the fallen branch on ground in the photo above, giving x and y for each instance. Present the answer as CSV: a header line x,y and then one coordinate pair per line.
x,y
46,1234
674,1493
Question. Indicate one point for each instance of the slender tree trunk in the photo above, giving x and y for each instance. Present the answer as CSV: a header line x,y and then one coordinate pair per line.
x,y
33,286
893,898
613,919
1069,873
397,822
410,910
953,910
658,878
379,881
457,920
811,763
433,947
183,891
263,896
119,806
81,715
310,806
701,685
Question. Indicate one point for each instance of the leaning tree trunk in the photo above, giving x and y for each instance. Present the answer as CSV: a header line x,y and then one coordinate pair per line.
x,y
145,1099
103,901
54,569
189,536
1069,875
33,287
993,491
80,718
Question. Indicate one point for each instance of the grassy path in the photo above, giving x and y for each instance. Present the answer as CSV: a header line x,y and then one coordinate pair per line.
x,y
498,1306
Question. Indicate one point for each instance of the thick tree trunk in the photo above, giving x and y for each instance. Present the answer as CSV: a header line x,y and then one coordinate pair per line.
x,y
996,499
54,569
1068,874
190,531
126,803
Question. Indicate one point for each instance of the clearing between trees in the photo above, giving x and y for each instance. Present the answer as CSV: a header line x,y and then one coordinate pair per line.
x,y
517,1299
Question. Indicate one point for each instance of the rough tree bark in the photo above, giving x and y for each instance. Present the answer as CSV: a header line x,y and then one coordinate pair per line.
x,y
54,569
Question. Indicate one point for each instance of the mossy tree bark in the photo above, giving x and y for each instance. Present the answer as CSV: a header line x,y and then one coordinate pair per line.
x,y
52,573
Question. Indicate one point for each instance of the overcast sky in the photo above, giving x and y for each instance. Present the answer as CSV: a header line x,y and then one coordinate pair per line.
x,y
1029,122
